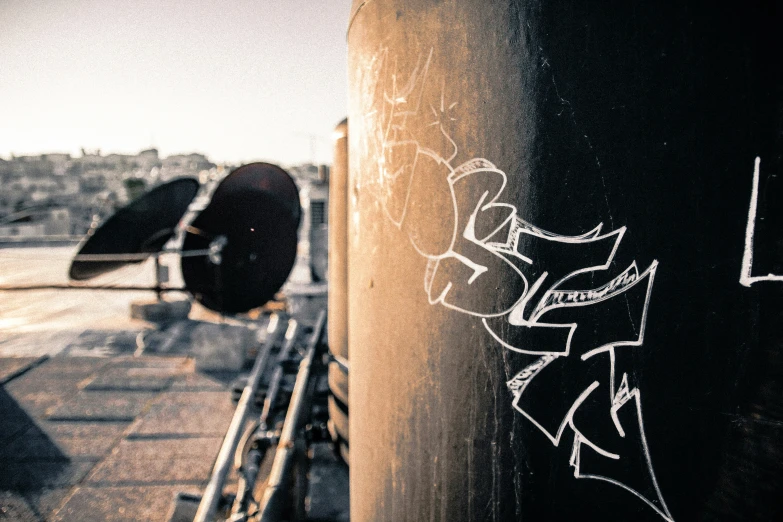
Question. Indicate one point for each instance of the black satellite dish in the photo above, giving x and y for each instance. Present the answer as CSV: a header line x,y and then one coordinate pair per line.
x,y
249,230
134,232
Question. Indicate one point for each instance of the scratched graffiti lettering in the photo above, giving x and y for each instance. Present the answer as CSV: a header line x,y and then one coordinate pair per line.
x,y
746,275
482,244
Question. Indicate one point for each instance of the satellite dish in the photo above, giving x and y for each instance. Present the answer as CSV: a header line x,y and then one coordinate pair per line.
x,y
134,232
249,230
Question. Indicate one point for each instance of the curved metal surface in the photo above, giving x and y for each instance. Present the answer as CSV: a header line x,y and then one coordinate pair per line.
x,y
502,372
142,227
338,288
251,227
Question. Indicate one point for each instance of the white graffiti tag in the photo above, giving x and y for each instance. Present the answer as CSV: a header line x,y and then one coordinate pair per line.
x,y
481,246
746,275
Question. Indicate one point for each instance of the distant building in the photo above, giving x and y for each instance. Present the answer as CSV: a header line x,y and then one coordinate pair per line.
x,y
64,193
68,186
56,158
58,223
60,162
313,182
309,172
37,221
121,161
23,229
26,159
92,183
192,161
91,160
147,159
178,165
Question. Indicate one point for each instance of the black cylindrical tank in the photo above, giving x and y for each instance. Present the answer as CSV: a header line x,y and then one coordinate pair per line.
x,y
338,289
566,283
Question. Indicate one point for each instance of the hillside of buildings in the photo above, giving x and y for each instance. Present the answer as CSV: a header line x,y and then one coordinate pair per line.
x,y
60,195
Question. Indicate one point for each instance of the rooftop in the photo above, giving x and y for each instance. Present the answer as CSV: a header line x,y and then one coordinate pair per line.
x,y
106,417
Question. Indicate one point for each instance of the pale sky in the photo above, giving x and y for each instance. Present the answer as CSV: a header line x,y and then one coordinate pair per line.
x,y
237,80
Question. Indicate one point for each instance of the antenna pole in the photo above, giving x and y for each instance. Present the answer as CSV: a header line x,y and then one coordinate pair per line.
x,y
157,277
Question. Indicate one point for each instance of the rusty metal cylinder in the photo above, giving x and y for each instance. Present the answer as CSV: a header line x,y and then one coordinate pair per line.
x,y
338,290
566,280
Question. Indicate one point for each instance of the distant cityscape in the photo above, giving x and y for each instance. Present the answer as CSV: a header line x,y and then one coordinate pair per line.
x,y
55,194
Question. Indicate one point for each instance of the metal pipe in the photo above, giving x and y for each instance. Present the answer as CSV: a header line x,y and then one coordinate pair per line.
x,y
342,362
100,258
338,244
140,256
274,383
117,288
214,490
338,290
158,284
249,463
272,501
245,485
